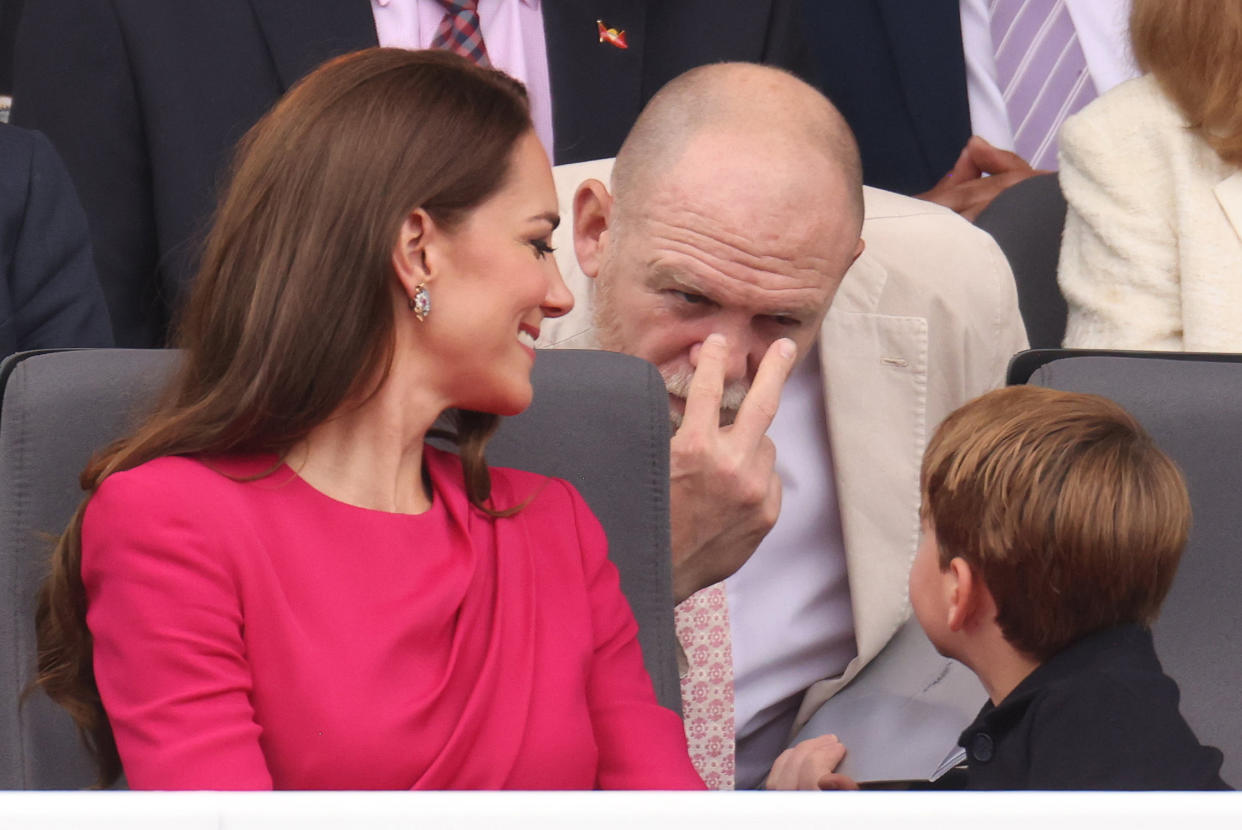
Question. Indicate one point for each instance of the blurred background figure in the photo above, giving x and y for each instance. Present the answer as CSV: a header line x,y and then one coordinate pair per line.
x,y
10,11
1152,173
51,297
144,101
916,81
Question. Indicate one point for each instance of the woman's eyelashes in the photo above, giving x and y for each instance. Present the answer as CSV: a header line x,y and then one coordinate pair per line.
x,y
542,247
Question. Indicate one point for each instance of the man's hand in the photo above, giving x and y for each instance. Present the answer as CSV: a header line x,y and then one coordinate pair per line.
x,y
965,189
809,766
725,494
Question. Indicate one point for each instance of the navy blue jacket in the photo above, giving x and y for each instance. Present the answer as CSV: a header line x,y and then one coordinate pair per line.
x,y
51,296
1099,715
896,70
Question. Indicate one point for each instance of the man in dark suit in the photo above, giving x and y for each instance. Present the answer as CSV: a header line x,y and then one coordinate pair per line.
x,y
51,297
897,72
146,100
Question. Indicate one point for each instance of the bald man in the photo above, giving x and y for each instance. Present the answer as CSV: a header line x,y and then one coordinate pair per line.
x,y
731,251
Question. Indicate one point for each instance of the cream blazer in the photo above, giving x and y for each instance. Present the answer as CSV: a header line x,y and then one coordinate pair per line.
x,y
926,319
1152,253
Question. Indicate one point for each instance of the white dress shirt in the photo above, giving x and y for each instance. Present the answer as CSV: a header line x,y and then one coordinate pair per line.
x,y
1103,28
795,630
512,33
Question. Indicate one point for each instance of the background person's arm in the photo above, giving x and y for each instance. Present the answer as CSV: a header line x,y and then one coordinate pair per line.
x,y
55,295
73,82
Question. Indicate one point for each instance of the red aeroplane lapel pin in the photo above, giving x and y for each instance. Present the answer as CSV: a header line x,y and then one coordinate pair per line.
x,y
612,36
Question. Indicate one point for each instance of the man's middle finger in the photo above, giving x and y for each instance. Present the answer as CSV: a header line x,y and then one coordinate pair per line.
x,y
759,407
707,385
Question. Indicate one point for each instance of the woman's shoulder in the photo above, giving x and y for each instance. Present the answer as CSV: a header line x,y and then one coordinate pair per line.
x,y
1134,107
176,479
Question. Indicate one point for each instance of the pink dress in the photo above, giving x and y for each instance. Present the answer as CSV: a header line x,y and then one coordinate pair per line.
x,y
259,634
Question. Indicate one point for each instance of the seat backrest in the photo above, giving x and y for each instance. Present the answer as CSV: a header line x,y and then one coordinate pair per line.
x,y
599,420
1192,406
1026,221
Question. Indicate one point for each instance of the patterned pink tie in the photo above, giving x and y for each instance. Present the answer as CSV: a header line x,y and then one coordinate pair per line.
x,y
707,685
1041,72
459,31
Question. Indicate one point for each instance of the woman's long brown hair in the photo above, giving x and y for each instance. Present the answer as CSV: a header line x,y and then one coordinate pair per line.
x,y
290,315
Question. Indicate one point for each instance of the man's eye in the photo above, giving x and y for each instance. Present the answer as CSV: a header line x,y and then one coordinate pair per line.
x,y
542,248
693,299
785,322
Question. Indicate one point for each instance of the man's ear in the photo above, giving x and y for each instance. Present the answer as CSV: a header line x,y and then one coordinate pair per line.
x,y
592,214
968,597
411,258
862,245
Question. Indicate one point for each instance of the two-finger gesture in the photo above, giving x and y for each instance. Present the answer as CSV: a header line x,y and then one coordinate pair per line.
x,y
725,494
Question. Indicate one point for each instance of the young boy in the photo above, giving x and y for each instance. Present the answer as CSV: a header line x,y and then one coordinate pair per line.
x,y
1052,527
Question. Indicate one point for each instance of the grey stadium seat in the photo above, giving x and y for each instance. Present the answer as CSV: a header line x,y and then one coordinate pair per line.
x,y
1192,405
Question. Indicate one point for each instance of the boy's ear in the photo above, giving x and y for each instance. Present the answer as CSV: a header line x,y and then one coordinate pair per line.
x,y
969,601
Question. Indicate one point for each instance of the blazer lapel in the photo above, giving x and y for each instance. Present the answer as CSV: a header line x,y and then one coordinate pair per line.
x,y
302,35
875,395
596,87
1229,195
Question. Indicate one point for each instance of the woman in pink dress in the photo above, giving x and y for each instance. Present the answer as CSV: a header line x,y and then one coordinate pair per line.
x,y
273,582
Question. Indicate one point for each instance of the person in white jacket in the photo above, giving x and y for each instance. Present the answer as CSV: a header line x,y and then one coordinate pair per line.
x,y
1151,257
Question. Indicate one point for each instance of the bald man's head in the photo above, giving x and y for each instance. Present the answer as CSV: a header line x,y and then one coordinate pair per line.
x,y
748,102
735,208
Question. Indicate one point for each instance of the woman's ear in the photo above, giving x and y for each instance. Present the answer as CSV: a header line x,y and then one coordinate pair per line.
x,y
592,215
410,260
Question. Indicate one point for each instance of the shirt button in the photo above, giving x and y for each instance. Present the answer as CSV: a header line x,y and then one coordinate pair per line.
x,y
981,748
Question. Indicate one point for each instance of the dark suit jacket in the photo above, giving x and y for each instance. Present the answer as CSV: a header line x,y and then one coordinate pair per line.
x,y
896,70
145,101
10,10
51,296
1099,715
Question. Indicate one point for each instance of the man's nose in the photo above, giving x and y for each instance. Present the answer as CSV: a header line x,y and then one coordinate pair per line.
x,y
737,357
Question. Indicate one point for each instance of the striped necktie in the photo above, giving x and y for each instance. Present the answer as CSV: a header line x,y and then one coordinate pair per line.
x,y
707,686
459,31
1041,71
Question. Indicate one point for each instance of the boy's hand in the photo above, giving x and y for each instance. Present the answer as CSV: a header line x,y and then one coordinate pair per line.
x,y
809,766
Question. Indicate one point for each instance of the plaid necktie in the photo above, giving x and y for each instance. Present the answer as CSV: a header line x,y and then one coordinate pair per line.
x,y
459,31
1041,72
707,686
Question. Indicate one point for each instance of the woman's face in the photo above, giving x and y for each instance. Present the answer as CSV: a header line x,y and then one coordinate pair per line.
x,y
497,281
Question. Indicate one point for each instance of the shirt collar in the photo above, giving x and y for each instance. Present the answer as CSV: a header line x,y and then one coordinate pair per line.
x,y
530,4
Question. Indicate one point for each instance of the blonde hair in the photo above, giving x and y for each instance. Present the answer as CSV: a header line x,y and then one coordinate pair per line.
x,y
1063,505
1194,50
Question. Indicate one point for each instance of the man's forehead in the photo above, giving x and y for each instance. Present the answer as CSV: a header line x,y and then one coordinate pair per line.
x,y
762,217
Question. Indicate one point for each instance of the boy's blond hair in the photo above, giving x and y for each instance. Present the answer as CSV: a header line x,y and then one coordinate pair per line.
x,y
1063,505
